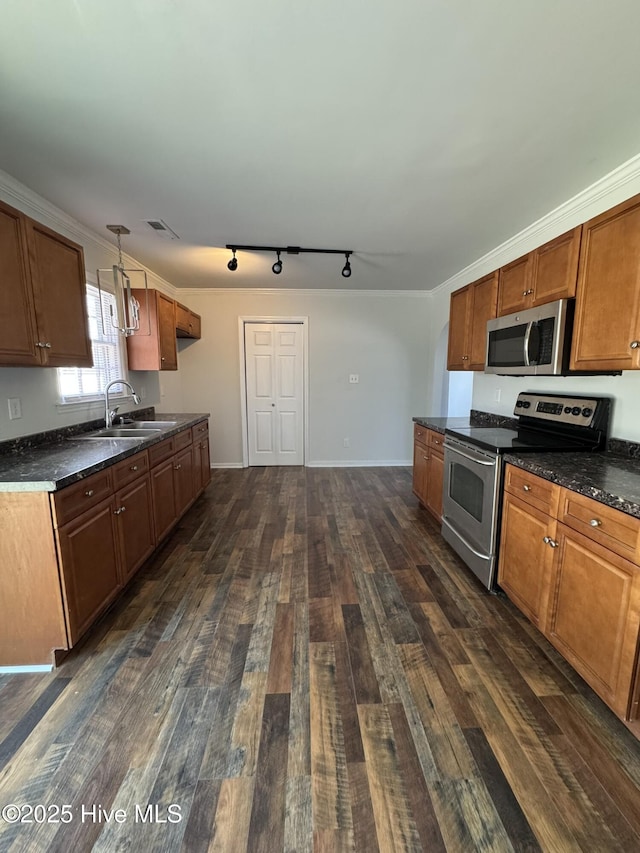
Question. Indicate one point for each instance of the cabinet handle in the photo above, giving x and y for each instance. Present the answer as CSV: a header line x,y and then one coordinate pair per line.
x,y
549,541
595,522
44,344
119,510
634,344
426,458
177,467
526,488
133,468
89,493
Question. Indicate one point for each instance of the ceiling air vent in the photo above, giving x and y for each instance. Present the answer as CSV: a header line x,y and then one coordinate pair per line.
x,y
161,229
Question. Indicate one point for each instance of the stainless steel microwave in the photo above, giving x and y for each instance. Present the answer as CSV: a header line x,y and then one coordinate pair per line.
x,y
534,342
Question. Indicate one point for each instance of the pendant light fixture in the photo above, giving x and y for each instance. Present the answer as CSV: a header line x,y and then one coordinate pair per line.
x,y
290,250
120,309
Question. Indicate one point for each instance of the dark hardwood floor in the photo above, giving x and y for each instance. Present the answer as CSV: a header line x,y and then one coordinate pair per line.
x,y
305,665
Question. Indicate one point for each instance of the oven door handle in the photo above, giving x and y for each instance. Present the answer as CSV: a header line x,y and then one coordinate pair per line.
x,y
527,335
466,456
464,541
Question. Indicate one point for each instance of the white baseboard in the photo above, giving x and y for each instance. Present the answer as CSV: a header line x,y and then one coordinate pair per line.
x,y
215,465
16,670
361,463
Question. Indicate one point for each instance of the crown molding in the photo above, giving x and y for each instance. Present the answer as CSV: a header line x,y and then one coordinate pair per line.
x,y
14,192
283,291
613,188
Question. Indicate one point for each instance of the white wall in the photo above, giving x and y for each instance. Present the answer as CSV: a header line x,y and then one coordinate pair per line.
x,y
382,337
614,188
37,386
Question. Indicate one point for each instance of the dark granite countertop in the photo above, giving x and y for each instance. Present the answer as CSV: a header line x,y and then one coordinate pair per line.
x,y
440,424
48,467
606,477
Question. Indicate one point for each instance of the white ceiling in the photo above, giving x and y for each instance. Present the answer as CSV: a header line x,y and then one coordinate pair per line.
x,y
419,133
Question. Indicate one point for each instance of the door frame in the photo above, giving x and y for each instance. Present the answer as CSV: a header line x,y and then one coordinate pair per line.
x,y
299,321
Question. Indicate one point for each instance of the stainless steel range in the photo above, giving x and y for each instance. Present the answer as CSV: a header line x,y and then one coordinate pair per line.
x,y
473,467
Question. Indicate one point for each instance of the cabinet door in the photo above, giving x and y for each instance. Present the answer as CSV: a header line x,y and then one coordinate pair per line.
x,y
594,614
17,324
183,480
555,268
524,569
435,480
197,467
89,558
163,498
459,312
515,290
167,333
420,459
606,332
59,292
135,525
205,461
483,308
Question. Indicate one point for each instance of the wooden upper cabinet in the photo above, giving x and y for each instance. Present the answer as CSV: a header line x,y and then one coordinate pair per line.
x,y
157,350
43,312
470,308
606,332
515,285
548,273
59,290
187,322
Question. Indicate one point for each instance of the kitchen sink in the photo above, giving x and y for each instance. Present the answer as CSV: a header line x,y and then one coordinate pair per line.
x,y
120,432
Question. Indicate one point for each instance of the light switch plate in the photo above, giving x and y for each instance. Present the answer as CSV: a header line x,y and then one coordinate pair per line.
x,y
15,408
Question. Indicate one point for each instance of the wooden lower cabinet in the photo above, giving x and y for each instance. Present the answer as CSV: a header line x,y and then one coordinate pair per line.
x,y
428,468
89,564
593,615
65,556
583,595
524,570
134,523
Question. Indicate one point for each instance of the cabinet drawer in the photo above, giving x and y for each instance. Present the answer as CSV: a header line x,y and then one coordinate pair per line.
x,y
182,439
70,502
532,489
161,451
435,440
200,431
420,433
130,469
611,528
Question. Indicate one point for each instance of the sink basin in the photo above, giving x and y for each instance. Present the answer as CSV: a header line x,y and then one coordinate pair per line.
x,y
138,425
120,432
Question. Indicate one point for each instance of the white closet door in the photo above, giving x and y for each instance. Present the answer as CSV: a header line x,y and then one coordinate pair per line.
x,y
274,387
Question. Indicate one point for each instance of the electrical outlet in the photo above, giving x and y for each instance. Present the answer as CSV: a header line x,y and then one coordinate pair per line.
x,y
497,394
143,392
347,442
354,378
15,408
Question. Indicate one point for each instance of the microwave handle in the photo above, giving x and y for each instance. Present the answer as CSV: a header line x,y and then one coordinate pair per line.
x,y
527,335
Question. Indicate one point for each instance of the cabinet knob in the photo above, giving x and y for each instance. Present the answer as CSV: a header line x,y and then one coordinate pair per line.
x,y
119,510
634,344
89,493
426,458
549,541
133,468
526,488
44,344
178,467
595,522
524,292
435,441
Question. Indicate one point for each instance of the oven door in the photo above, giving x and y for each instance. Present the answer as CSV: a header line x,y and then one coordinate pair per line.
x,y
470,506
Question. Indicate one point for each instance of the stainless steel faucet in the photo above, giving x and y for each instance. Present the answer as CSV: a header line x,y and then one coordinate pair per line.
x,y
109,414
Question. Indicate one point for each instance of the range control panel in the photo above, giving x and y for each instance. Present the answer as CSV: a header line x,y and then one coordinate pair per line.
x,y
558,408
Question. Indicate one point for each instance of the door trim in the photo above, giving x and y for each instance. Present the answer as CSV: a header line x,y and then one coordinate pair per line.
x,y
300,321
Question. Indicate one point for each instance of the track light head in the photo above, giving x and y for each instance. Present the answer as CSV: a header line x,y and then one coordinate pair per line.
x,y
276,269
346,269
233,263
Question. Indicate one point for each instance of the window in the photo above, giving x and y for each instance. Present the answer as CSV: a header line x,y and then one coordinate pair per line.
x,y
79,384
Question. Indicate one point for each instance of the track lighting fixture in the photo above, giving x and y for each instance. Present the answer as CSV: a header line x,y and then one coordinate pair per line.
x,y
290,250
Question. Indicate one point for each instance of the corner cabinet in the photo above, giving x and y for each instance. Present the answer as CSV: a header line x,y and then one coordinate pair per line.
x,y
156,350
606,333
470,309
572,565
43,312
67,555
